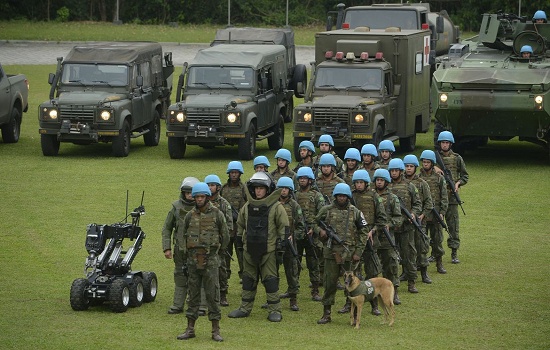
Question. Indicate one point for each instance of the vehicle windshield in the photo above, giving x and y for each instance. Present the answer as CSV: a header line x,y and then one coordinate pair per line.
x,y
94,74
220,77
348,78
381,19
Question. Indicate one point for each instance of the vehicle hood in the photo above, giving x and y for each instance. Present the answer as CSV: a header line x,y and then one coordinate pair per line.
x,y
494,76
339,101
89,97
214,100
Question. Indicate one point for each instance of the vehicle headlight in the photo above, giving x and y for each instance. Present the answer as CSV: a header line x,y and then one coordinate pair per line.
x,y
105,115
231,118
180,117
307,117
359,118
49,114
443,98
53,114
538,99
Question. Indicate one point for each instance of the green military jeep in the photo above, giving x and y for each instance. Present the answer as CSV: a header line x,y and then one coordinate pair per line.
x,y
107,92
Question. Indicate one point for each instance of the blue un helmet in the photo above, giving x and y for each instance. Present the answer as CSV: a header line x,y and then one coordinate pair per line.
x,y
360,174
410,159
396,163
540,14
326,139
526,48
261,160
201,188
383,174
213,179
283,153
188,183
386,145
446,136
235,165
353,153
305,171
307,145
327,159
285,181
369,148
429,155
341,188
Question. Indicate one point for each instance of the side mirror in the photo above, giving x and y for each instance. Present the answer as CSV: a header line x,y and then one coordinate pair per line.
x,y
51,78
139,81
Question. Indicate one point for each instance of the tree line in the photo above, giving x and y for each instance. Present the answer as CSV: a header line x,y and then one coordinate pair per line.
x,y
465,13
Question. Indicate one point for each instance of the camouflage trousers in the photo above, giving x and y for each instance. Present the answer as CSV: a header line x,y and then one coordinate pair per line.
x,y
422,245
451,218
209,279
436,238
312,262
407,249
223,272
238,252
330,279
371,263
292,273
180,280
388,259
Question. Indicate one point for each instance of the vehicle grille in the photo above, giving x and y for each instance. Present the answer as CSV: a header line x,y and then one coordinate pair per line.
x,y
77,114
329,116
203,116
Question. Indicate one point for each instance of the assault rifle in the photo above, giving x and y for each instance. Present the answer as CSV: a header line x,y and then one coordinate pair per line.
x,y
439,219
309,238
449,178
392,243
409,216
332,235
290,245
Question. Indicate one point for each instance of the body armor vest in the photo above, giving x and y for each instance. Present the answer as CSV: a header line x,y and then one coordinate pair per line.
x,y
306,200
401,189
365,202
257,231
433,181
451,163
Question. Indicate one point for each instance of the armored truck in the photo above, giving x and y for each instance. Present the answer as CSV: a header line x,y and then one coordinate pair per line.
x,y
367,85
484,89
107,92
231,94
13,102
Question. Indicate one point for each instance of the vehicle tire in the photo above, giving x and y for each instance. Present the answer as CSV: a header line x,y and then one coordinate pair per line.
x,y
289,111
121,143
407,144
176,147
118,295
12,130
299,76
79,299
297,141
136,292
50,145
378,135
150,286
247,145
277,140
152,138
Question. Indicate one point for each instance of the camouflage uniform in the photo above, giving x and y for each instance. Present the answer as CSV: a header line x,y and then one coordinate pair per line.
x,y
179,208
301,164
346,176
371,169
383,164
236,196
326,186
204,233
223,205
422,244
276,175
292,272
386,253
317,158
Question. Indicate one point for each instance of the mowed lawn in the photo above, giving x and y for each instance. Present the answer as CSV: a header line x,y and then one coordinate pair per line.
x,y
496,298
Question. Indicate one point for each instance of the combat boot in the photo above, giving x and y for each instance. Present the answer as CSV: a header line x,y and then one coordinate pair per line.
x,y
439,265
374,305
293,303
216,331
346,308
315,292
326,315
223,298
431,258
454,257
396,300
189,331
424,273
412,287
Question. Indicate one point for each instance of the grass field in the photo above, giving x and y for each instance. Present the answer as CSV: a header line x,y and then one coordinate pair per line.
x,y
496,298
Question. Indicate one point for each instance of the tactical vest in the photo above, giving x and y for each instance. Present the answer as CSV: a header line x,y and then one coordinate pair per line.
x,y
401,189
327,186
202,231
288,173
365,202
235,196
419,183
343,222
433,181
290,206
257,231
451,162
365,288
306,200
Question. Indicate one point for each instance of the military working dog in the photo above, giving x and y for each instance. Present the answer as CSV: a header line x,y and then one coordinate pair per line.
x,y
361,291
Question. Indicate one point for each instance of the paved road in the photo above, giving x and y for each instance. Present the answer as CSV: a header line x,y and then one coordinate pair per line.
x,y
46,52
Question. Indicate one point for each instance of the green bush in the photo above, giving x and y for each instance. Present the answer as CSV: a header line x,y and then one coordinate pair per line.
x,y
63,14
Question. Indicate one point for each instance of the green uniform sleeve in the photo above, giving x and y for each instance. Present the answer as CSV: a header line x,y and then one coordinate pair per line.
x,y
281,220
241,222
223,231
299,228
362,232
427,202
463,173
416,203
381,218
444,196
228,215
167,229
396,217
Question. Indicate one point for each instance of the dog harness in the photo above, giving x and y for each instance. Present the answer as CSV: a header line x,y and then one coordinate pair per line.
x,y
366,288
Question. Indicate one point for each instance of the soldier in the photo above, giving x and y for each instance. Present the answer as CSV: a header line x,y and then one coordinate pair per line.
x,y
307,152
371,205
262,224
438,189
311,201
327,178
368,155
421,240
179,208
296,233
386,150
526,51
352,160
539,17
284,159
235,193
326,144
261,163
404,235
455,164
350,225
214,184
386,252
204,232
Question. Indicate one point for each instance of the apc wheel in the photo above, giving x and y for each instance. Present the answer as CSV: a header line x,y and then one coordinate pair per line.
x,y
247,145
289,111
150,286
176,147
12,130
121,143
378,135
119,295
407,144
297,142
152,138
136,292
50,145
299,81
277,140
79,299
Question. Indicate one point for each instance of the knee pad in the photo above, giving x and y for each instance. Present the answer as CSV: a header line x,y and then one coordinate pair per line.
x,y
248,283
271,284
